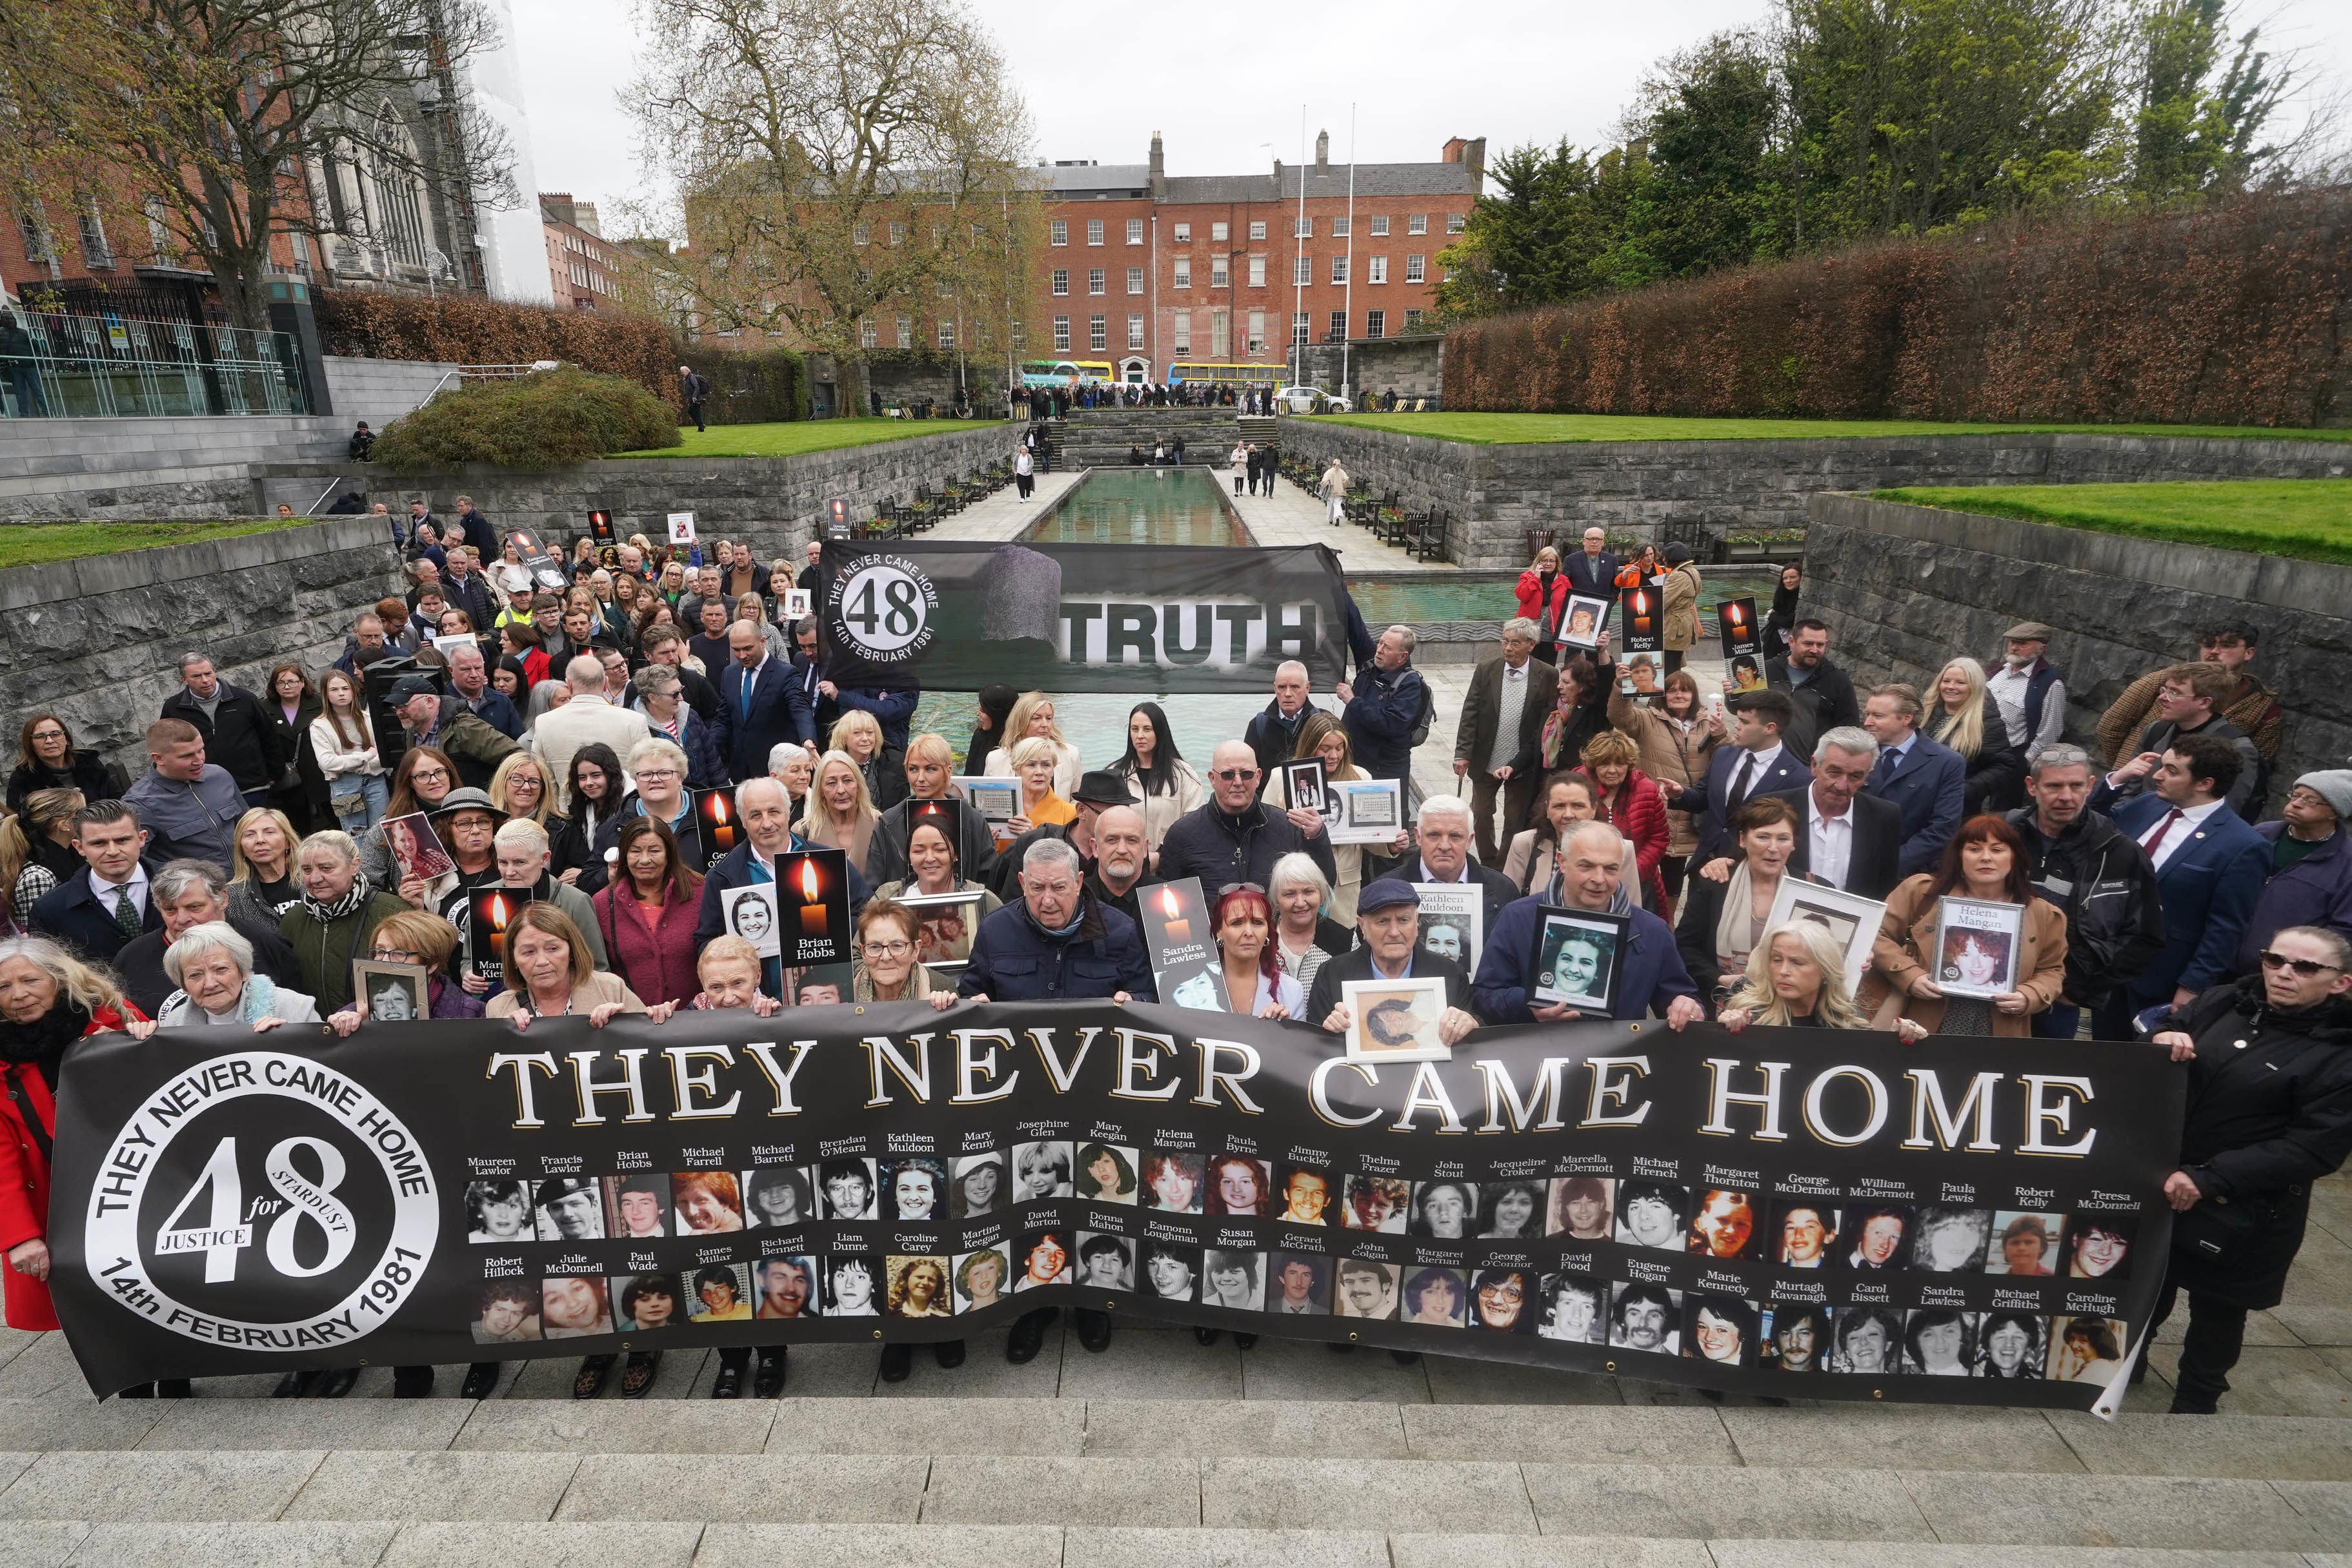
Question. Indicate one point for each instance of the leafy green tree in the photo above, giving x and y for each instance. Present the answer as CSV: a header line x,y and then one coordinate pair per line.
x,y
2193,133
1714,191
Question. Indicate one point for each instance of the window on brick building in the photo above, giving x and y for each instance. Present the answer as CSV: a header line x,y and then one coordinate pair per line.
x,y
947,334
1376,323
1093,231
905,331
1061,231
1061,334
1257,229
869,336
1181,329
1135,279
1338,269
1061,280
1339,227
859,233
1412,321
1417,224
1302,269
1135,331
1257,271
1217,233
1257,332
1302,228
897,234
1379,228
1220,335
1456,222
1339,325
1135,231
1219,277
1183,272
1376,270
1183,234
1417,268
1094,281
1299,330
1098,333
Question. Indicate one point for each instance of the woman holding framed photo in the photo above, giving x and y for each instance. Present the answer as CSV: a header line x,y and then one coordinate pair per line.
x,y
1796,979
1969,948
1321,739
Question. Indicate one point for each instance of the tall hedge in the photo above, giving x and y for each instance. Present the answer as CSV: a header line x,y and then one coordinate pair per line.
x,y
470,329
750,387
2232,315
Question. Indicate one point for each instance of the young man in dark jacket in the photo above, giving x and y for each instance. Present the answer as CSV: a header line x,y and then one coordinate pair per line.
x,y
236,729
1822,692
2269,1112
2097,876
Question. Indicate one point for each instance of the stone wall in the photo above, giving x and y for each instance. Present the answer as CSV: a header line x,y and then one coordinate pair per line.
x,y
381,390
1903,588
1410,367
98,640
135,468
1496,493
772,502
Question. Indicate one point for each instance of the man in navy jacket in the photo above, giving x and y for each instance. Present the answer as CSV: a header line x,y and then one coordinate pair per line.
x,y
1927,781
1756,762
2210,869
759,704
767,816
1385,708
1653,980
99,909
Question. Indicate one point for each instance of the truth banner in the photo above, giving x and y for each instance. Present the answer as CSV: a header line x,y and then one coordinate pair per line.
x,y
1972,1222
956,617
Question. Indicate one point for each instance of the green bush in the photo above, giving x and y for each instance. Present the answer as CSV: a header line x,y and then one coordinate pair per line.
x,y
547,420
758,386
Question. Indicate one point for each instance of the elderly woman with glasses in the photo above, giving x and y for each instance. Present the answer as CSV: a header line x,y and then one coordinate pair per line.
x,y
885,970
212,964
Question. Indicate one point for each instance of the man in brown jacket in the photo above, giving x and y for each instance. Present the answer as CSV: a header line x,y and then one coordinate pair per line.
x,y
1502,721
2251,705
1679,628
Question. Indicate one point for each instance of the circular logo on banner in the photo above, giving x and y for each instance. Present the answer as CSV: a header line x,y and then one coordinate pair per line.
x,y
264,1202
882,608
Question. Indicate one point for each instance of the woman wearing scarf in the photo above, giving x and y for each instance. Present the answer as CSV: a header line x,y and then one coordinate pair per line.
x,y
339,912
1578,713
1543,599
1722,921
212,964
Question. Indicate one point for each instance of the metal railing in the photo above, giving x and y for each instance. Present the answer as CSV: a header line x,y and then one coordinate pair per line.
x,y
59,367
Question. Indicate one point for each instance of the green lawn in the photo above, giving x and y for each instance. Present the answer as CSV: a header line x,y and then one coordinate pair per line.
x,y
794,438
2309,520
1511,430
31,543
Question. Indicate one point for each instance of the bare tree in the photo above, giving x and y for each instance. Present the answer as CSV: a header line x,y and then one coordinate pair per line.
x,y
220,120
833,163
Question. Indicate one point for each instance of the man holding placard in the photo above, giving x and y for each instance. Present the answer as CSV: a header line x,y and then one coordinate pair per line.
x,y
1651,977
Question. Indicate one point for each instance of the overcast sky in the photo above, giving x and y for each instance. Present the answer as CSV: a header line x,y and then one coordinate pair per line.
x,y
1224,83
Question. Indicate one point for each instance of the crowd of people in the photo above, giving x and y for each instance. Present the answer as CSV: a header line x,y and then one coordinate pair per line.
x,y
552,737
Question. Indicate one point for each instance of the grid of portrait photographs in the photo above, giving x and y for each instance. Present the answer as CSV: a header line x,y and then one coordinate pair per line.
x,y
1873,1285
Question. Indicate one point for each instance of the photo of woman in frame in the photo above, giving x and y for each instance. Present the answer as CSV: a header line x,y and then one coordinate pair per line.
x,y
497,1214
1940,1342
981,1279
1106,1174
1869,1341
1376,1203
1172,1181
1232,1277
1435,1297
506,1314
1511,1210
2098,1247
1040,1171
915,1188
1720,1328
1580,1207
1239,1186
2087,1350
979,1186
918,1286
1951,1240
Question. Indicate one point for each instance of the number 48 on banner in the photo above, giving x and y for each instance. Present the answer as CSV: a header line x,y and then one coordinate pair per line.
x,y
228,1225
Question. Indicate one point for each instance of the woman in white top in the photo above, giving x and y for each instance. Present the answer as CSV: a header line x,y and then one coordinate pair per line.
x,y
212,964
1244,928
1167,784
345,747
1033,714
511,574
1304,936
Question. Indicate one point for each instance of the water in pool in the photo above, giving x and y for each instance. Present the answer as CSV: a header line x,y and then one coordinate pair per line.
x,y
1142,506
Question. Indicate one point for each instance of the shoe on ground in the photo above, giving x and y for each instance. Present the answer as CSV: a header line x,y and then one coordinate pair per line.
x,y
293,1385
481,1381
728,1383
1206,1336
949,1353
637,1376
412,1382
897,1361
336,1383
589,1381
2183,1405
768,1381
1028,1337
1093,1330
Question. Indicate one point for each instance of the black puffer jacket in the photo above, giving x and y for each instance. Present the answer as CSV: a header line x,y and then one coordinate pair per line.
x,y
2270,1112
2115,919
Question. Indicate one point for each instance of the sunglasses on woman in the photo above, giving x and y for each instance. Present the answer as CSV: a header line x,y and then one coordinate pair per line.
x,y
2305,967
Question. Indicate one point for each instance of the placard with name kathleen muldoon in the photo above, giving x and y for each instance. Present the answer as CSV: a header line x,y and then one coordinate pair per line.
x,y
1704,1208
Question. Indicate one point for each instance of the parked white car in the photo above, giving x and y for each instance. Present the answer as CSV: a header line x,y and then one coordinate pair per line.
x,y
1303,399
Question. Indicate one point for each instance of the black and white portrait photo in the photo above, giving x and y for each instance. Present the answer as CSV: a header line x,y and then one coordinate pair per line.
x,y
1869,1340
853,1285
1171,1271
1435,1297
1511,1210
2012,1345
1804,1233
1575,1309
915,1188
847,1189
1452,918
1363,1288
1650,1214
1106,1262
1446,1211
1578,956
1873,1240
1582,1207
979,1186
394,993
570,1208
637,1208
1040,1171
1646,1318
1940,1342
1304,780
751,913
776,1197
1106,1172
506,1312
1300,1286
1233,1278
1951,1240
497,1214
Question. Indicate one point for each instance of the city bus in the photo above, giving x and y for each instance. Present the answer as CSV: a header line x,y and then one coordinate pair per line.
x,y
1184,371
1065,372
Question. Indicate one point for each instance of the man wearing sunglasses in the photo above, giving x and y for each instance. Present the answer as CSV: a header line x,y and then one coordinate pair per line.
x,y
1236,837
2269,1112
2311,864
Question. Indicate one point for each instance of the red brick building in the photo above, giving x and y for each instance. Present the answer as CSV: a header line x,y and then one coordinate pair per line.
x,y
580,262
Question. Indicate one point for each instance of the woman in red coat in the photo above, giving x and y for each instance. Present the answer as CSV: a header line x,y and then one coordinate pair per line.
x,y
1630,802
48,1000
646,913
1543,599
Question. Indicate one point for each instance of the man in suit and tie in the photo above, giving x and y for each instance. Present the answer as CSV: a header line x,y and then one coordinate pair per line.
x,y
1592,571
99,909
1851,840
2210,869
1502,719
1923,779
819,698
758,705
1755,763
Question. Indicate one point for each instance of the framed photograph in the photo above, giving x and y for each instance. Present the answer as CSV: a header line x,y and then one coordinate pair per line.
x,y
751,913
416,851
450,643
1734,619
600,527
1645,674
1577,958
1395,1020
1452,921
1852,920
1641,620
1587,618
1302,783
1976,946
1746,672
797,603
945,925
391,992
1370,811
997,801
1183,951
827,985
681,527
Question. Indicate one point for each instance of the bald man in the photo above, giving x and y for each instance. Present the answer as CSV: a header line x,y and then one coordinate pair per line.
x,y
1236,836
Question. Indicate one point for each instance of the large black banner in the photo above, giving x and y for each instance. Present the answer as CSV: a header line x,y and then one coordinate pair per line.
x,y
1973,1222
1072,617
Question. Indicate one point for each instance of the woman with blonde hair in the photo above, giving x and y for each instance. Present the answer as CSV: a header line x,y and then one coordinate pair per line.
x,y
753,608
841,813
1966,717
1796,979
48,823
1543,599
1321,738
520,788
344,745
857,735
1035,764
262,884
23,880
1033,714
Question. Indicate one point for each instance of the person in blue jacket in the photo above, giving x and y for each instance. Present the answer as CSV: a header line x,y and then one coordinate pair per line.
x,y
1386,707
1652,979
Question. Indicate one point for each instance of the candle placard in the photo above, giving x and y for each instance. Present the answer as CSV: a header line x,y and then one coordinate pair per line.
x,y
721,825
813,916
489,915
600,527
1736,620
1183,949
1638,620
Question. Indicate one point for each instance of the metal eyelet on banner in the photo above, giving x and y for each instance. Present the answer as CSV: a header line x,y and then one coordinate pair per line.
x,y
877,1333
1635,1029
1611,1366
861,1011
1878,1394
1351,1336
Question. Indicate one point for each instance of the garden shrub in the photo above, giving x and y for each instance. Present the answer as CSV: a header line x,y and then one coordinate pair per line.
x,y
470,329
547,420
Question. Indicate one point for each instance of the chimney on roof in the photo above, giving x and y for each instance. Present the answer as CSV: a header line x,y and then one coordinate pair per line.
x,y
1159,168
1322,151
1471,153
